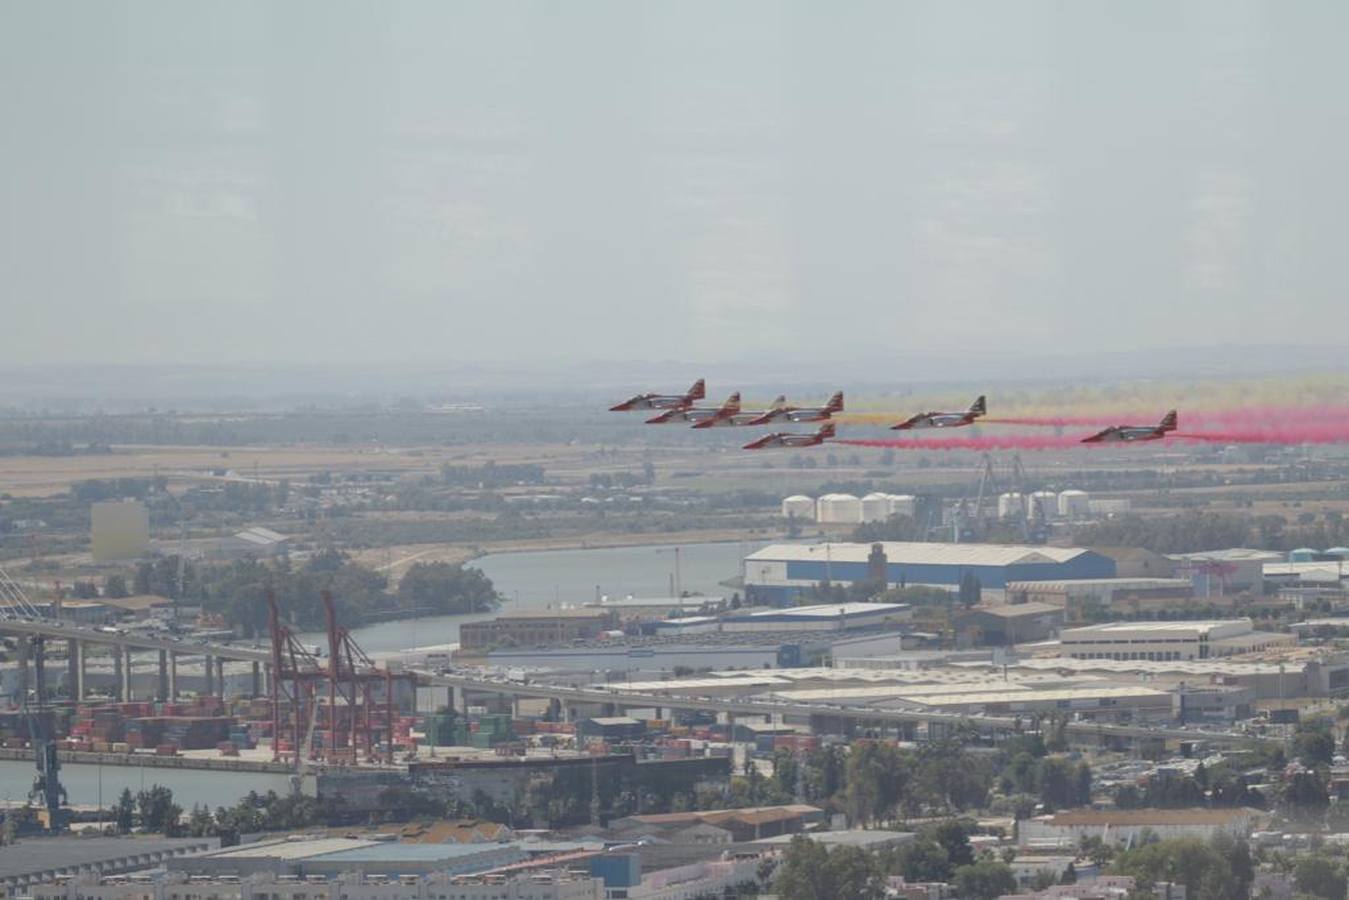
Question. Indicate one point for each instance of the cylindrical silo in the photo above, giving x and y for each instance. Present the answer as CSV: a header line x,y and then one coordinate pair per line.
x,y
839,509
1074,505
798,506
903,505
875,507
1009,505
1042,505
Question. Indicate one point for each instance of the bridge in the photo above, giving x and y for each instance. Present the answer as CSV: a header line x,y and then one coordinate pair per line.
x,y
170,650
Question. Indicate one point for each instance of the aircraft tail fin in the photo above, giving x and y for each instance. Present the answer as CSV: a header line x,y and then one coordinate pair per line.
x,y
732,404
826,430
780,402
979,407
698,391
835,403
1168,422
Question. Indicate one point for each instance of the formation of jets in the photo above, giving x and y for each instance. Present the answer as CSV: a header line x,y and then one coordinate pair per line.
x,y
682,409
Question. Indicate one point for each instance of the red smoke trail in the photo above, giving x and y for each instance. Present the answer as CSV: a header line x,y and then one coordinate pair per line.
x,y
1247,420
1331,432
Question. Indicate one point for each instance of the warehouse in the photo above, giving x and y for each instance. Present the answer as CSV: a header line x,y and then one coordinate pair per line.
x,y
1007,624
780,573
824,617
1090,599
1166,641
1125,826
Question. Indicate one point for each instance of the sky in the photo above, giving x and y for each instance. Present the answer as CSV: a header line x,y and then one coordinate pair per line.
x,y
260,183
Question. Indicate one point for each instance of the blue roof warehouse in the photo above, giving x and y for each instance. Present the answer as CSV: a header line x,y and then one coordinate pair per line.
x,y
780,573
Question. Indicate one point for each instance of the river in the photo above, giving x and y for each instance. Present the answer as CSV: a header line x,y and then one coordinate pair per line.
x,y
189,786
546,578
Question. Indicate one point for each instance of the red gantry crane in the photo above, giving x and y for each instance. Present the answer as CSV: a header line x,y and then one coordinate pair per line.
x,y
360,700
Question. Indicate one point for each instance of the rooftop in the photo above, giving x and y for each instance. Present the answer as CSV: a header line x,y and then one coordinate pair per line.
x,y
1157,627
1123,583
1013,696
920,553
40,854
301,849
1017,610
399,852
1122,817
821,611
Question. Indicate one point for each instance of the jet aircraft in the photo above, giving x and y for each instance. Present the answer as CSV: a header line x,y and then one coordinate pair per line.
x,y
802,413
663,401
787,439
944,419
749,417
1129,433
693,415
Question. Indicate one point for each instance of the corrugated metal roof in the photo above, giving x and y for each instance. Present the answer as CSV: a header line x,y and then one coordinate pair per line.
x,y
396,852
293,849
919,553
1087,693
1017,610
820,611
1118,583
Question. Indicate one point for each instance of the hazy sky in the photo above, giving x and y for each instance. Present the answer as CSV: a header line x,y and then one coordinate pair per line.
x,y
283,181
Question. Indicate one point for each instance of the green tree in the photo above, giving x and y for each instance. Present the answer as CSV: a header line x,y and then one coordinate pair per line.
x,y
803,873
922,859
124,813
158,812
1305,798
1204,869
114,586
444,588
985,880
1320,877
1313,744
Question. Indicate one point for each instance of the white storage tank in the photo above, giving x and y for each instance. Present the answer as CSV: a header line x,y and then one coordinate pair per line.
x,y
1074,505
1043,505
875,507
798,506
1009,505
838,509
903,505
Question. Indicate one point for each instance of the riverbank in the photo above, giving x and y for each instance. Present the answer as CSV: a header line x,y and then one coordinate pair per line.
x,y
151,761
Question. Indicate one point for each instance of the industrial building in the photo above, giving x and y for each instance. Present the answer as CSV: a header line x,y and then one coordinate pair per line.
x,y
821,617
534,628
1088,599
1008,624
34,861
333,856
550,885
1218,572
1125,826
780,573
119,530
1167,641
652,608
